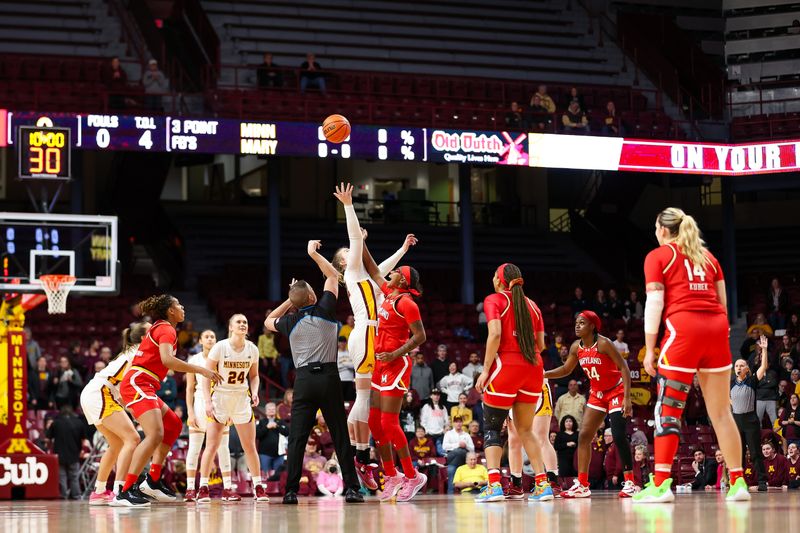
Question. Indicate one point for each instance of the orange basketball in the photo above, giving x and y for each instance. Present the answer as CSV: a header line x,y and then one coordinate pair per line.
x,y
336,128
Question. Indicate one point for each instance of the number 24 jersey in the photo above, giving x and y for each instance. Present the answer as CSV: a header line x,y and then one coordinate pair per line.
x,y
233,366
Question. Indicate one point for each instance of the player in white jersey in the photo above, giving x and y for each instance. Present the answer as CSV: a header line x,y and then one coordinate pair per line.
x,y
196,411
102,407
365,299
231,402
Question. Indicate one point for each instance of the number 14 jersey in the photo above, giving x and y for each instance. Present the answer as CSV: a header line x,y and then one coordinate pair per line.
x,y
233,366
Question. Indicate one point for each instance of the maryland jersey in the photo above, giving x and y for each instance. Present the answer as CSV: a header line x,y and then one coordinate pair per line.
x,y
686,287
498,306
113,373
233,366
396,313
200,381
603,374
148,356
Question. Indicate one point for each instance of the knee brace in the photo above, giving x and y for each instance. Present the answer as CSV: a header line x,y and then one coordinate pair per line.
x,y
172,427
193,454
224,453
670,403
493,419
360,410
375,426
392,430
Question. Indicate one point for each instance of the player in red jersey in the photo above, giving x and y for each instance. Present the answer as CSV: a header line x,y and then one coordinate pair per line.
x,y
398,315
686,288
610,382
148,368
512,378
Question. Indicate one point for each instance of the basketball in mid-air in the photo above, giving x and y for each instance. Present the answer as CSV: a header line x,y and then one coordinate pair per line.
x,y
336,128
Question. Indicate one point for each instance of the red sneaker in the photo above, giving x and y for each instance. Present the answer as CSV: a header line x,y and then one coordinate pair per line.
x,y
366,475
513,492
229,495
261,493
203,495
556,489
190,496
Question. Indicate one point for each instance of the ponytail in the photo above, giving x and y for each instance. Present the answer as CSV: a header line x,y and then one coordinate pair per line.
x,y
133,335
526,338
683,228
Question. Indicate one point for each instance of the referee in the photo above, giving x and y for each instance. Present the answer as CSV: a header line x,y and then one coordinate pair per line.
x,y
312,333
743,402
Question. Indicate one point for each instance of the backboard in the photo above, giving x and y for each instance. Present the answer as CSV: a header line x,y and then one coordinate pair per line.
x,y
33,244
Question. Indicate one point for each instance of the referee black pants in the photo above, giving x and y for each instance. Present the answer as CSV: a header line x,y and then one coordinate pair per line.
x,y
750,432
317,386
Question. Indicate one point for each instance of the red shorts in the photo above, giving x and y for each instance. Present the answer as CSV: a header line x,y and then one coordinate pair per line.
x,y
513,380
138,391
696,342
393,378
609,401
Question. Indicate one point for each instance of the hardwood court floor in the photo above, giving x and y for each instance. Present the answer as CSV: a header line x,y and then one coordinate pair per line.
x,y
698,512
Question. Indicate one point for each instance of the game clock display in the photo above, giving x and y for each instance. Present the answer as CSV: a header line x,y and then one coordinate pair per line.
x,y
44,153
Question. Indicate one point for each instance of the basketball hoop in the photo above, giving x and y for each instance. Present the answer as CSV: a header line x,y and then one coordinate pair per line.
x,y
57,287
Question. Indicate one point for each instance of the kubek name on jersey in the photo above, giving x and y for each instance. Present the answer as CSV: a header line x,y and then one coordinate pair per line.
x,y
31,472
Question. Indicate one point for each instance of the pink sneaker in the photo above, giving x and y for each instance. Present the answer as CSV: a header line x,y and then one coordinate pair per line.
x,y
391,487
102,498
411,487
365,474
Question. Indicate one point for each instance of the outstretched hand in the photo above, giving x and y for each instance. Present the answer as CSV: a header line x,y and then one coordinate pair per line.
x,y
763,343
410,241
313,246
344,193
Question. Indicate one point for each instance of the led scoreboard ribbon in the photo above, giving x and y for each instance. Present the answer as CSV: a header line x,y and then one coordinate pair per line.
x,y
44,152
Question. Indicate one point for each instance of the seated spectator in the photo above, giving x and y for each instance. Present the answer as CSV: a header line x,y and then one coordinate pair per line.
x,y
187,336
574,120
268,74
612,124
598,449
795,381
313,461
786,348
638,438
783,395
761,323
474,368
615,307
749,472
793,457
322,435
570,404
749,345
268,433
475,434
41,386
329,479
285,407
98,366
793,327
68,384
106,355
641,466
777,466
790,420
544,99
453,384
574,96
540,117
432,417
155,85
311,75
695,411
514,119
461,410
705,471
347,327
456,444
169,389
612,464
551,357
423,453
566,443
633,307
116,82
722,471
470,477
475,402
620,344
578,303
643,352
778,302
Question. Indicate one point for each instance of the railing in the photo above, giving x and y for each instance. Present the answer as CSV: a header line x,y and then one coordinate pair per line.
x,y
426,212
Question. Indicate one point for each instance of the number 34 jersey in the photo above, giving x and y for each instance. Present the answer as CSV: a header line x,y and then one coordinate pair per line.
x,y
601,370
233,366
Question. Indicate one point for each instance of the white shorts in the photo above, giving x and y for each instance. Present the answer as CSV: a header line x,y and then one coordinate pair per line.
x,y
361,347
232,407
200,417
98,402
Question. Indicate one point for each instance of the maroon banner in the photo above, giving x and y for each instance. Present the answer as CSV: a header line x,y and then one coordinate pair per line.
x,y
13,392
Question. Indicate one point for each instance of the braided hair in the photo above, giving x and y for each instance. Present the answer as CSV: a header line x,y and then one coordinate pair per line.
x,y
522,315
157,306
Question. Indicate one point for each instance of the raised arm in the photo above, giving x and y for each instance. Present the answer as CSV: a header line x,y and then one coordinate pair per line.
x,y
372,267
327,269
277,313
344,193
569,364
391,261
763,343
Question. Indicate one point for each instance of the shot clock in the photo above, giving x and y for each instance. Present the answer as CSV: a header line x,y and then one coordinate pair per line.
x,y
44,153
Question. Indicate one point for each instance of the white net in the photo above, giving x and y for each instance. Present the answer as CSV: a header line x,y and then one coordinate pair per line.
x,y
57,288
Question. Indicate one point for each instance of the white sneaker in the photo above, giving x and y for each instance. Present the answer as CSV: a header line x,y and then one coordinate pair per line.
x,y
576,491
629,488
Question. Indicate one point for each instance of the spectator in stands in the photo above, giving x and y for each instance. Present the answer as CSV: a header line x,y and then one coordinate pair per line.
x,y
776,465
783,394
432,416
347,371
470,477
551,356
620,344
98,366
786,348
90,355
574,120
571,403
187,336
285,407
793,327
767,388
793,457
311,75
539,117
643,350
313,461
705,471
761,324
641,466
68,384
169,389
68,433
461,410
116,81
475,434
268,432
322,435
269,75
421,377
615,307
612,124
578,303
408,418
600,304
423,452
633,307
41,385
749,345
795,381
32,348
544,99
574,96
347,327
612,465
743,403
452,385
790,420
778,304
266,345
483,323
474,368
695,412
106,355
514,118
475,402
441,364
329,479
565,444
456,444
155,85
